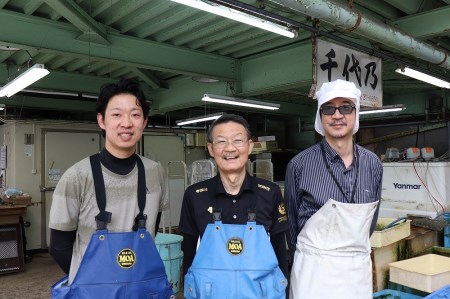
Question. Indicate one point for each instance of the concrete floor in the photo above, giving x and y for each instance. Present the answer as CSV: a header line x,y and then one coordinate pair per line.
x,y
34,282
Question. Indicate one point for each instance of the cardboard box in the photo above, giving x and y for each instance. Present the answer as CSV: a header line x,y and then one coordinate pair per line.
x,y
426,273
391,235
17,200
200,139
265,146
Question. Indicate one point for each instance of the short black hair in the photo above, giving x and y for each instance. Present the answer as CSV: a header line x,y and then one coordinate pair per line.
x,y
229,118
124,86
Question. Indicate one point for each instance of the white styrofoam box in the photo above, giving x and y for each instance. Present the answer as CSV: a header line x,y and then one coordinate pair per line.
x,y
390,235
426,273
266,138
190,139
415,188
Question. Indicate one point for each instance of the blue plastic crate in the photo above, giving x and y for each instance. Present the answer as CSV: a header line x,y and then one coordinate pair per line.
x,y
442,293
393,294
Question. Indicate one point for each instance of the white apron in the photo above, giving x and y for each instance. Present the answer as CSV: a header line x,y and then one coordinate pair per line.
x,y
332,256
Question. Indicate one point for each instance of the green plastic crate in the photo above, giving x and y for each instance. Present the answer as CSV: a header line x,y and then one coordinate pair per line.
x,y
393,294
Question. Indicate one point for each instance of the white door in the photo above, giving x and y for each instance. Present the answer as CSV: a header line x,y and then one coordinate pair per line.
x,y
61,150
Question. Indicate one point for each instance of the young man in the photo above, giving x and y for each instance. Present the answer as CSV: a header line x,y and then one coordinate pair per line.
x,y
105,205
224,263
332,192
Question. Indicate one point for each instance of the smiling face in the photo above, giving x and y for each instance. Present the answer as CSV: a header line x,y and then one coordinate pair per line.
x,y
230,147
123,123
337,125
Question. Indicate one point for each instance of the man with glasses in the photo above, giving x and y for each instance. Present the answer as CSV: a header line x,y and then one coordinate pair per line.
x,y
239,220
332,193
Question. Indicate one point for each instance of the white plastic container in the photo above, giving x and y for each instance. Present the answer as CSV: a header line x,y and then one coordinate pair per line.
x,y
426,273
391,235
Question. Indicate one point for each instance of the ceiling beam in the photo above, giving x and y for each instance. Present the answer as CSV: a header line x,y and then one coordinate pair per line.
x,y
414,24
148,78
409,7
32,33
64,105
93,32
290,68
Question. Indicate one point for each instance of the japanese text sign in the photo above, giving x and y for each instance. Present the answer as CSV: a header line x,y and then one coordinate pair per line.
x,y
336,62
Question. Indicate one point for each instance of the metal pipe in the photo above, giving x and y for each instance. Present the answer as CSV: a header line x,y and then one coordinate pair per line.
x,y
340,15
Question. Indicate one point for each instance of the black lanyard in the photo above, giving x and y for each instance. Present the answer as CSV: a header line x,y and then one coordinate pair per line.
x,y
352,199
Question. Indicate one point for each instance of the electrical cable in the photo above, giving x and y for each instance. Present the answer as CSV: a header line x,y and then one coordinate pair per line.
x,y
429,192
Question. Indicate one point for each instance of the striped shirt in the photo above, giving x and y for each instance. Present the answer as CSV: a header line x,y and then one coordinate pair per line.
x,y
308,184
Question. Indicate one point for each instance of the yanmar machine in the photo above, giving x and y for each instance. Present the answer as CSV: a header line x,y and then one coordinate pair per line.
x,y
415,188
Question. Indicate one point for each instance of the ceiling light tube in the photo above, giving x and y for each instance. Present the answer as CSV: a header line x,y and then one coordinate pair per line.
x,y
25,79
423,77
239,102
194,120
238,16
384,109
49,92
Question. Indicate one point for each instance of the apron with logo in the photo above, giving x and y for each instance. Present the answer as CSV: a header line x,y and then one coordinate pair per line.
x,y
120,264
235,261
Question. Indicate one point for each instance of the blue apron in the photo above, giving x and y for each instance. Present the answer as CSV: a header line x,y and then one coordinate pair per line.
x,y
120,264
235,261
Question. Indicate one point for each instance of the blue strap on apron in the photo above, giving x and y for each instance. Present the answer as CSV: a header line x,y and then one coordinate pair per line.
x,y
120,264
235,261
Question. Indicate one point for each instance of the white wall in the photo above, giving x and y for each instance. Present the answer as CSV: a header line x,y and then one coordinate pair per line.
x,y
23,169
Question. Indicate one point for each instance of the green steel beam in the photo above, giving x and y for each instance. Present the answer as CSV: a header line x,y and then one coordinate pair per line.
x,y
91,30
414,24
31,33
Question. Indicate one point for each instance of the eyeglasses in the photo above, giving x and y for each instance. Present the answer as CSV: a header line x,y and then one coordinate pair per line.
x,y
222,143
330,110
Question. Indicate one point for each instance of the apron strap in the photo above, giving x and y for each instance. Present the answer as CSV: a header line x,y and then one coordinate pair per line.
x,y
104,216
217,214
141,218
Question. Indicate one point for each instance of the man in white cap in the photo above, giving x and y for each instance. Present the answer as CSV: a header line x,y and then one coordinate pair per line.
x,y
332,193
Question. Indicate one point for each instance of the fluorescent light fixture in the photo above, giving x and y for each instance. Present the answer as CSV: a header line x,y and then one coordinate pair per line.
x,y
238,16
49,92
239,102
204,79
384,109
423,77
25,79
90,96
194,120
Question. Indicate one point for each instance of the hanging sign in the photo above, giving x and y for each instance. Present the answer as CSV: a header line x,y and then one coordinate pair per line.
x,y
333,62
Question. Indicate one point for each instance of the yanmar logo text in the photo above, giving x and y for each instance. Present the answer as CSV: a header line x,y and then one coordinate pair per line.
x,y
406,186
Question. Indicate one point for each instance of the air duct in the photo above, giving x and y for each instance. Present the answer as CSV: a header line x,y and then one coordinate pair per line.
x,y
341,16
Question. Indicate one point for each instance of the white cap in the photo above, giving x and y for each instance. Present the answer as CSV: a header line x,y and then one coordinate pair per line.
x,y
336,89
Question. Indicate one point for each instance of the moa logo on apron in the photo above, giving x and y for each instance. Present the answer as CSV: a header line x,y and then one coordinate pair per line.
x,y
126,258
235,246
